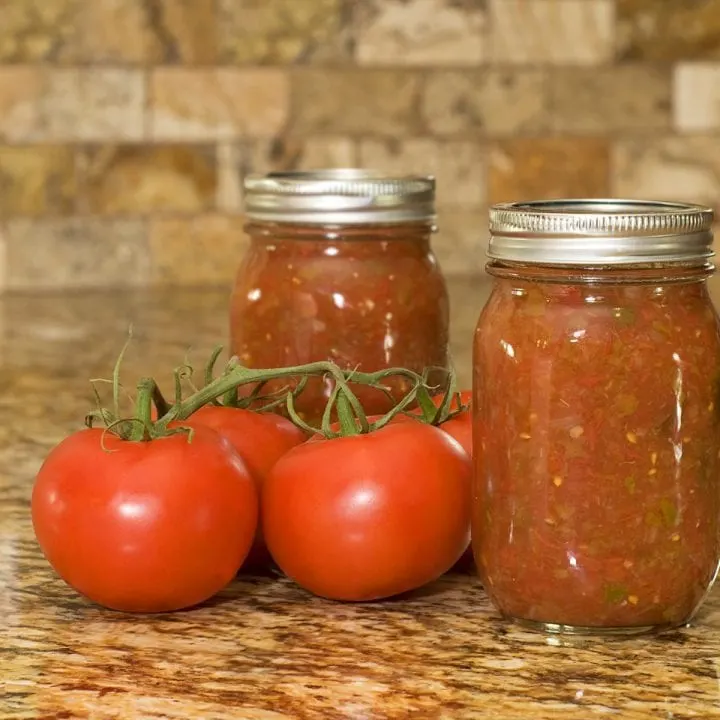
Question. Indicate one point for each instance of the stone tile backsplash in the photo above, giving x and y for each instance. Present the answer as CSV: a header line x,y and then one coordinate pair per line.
x,y
126,126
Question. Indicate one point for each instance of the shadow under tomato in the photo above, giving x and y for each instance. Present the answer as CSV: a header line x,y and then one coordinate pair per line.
x,y
269,570
241,588
427,592
464,566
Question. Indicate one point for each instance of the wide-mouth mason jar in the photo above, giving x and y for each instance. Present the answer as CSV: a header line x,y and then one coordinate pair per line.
x,y
596,501
340,268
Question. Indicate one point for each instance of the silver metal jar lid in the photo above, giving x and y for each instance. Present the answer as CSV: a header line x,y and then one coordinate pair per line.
x,y
600,232
339,196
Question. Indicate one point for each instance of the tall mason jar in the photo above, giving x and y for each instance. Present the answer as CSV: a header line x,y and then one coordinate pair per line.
x,y
597,416
340,268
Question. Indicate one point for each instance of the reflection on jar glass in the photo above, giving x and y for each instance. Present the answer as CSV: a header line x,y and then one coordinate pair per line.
x,y
340,268
597,369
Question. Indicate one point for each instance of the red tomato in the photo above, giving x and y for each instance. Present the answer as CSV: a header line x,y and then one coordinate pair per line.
x,y
369,516
145,526
261,439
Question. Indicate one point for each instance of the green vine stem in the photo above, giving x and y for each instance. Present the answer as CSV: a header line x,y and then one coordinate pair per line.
x,y
351,417
343,405
142,428
438,414
161,404
237,375
255,399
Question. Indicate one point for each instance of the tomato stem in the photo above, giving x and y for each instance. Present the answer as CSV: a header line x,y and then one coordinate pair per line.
x,y
351,415
161,404
236,375
438,414
210,367
428,408
116,375
348,424
350,412
142,429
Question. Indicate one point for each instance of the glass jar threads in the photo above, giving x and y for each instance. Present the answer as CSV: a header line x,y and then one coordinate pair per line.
x,y
597,416
340,267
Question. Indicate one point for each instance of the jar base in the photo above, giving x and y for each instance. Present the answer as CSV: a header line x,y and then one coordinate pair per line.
x,y
582,631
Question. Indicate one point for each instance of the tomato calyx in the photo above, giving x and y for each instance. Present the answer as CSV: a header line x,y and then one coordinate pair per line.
x,y
450,406
344,414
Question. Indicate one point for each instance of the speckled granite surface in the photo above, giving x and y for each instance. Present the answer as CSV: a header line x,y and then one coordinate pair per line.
x,y
264,649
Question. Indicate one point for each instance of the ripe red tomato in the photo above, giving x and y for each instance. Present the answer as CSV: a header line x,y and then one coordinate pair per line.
x,y
261,439
145,526
369,516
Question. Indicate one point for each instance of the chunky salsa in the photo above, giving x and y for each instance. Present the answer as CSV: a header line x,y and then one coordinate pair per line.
x,y
369,297
597,490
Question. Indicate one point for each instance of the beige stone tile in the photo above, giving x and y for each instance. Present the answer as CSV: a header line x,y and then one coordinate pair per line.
x,y
420,32
144,179
668,29
696,95
236,160
461,240
37,30
76,253
554,32
204,250
3,276
136,31
493,102
669,168
185,31
283,31
21,90
232,167
94,104
218,103
37,180
541,168
356,102
113,31
632,97
459,166
291,153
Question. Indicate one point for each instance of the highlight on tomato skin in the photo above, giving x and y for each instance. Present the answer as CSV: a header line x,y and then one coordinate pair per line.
x,y
151,526
366,517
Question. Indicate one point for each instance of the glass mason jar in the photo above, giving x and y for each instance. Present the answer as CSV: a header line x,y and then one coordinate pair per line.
x,y
596,501
340,268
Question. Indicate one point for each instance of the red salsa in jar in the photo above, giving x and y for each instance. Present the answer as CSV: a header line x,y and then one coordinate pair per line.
x,y
340,268
596,378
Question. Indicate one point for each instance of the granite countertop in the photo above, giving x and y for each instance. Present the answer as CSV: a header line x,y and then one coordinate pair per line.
x,y
265,649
